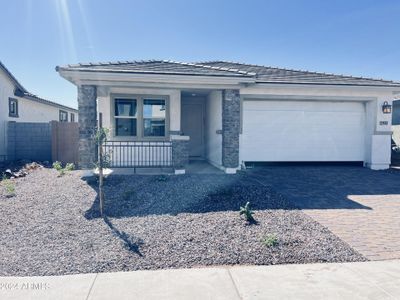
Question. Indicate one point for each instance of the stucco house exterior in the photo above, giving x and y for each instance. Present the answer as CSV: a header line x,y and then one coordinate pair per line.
x,y
17,104
231,114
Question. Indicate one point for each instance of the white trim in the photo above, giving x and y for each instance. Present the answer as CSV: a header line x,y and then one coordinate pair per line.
x,y
265,97
333,86
175,137
230,170
378,166
105,78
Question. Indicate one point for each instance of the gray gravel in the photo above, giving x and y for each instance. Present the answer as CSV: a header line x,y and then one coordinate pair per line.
x,y
51,226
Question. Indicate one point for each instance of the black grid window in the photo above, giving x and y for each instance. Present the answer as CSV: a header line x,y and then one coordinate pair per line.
x,y
13,107
63,116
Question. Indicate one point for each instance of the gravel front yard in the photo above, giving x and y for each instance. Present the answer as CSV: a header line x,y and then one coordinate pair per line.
x,y
51,226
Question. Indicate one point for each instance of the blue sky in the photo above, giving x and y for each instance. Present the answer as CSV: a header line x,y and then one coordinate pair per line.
x,y
344,37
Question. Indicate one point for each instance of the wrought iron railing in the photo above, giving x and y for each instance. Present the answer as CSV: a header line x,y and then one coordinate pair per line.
x,y
135,154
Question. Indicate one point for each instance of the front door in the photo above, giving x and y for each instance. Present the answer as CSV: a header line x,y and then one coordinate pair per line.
x,y
192,124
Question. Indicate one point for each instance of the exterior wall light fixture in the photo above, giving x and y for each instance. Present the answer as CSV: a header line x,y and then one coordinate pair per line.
x,y
386,108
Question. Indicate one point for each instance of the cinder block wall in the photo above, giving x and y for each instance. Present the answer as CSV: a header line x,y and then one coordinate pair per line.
x,y
31,141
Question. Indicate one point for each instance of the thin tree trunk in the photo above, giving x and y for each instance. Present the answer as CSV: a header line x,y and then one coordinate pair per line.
x,y
100,159
101,194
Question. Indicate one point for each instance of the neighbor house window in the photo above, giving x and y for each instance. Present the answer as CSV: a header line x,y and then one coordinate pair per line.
x,y
63,116
125,117
140,116
13,107
72,117
153,117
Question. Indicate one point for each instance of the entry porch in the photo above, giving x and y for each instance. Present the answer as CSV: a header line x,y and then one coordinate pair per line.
x,y
162,128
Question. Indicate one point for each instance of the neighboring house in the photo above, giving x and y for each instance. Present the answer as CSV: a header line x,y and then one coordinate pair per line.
x,y
231,113
17,104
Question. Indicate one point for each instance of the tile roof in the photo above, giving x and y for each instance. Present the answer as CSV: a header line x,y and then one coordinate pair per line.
x,y
22,92
48,102
280,75
260,74
158,67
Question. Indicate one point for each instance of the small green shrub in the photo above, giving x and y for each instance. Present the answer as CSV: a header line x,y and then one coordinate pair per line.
x,y
9,186
247,212
271,240
62,171
69,167
57,166
106,160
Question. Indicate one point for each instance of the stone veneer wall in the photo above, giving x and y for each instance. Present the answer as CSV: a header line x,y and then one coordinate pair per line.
x,y
230,128
180,153
87,95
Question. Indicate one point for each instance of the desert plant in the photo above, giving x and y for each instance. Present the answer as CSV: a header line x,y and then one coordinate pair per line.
x,y
9,186
69,167
271,240
57,166
61,171
247,212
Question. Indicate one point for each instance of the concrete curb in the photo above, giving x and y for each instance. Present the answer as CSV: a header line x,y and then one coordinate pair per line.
x,y
365,280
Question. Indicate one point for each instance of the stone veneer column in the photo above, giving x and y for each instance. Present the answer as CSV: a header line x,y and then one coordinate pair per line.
x,y
230,130
180,153
87,95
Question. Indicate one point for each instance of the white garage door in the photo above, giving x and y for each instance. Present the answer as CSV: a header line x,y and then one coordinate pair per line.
x,y
285,131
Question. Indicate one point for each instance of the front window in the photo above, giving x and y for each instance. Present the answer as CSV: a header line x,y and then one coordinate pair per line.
x,y
154,117
125,117
63,116
13,107
142,117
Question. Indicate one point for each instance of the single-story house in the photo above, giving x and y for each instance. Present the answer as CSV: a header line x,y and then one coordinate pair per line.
x,y
17,104
231,114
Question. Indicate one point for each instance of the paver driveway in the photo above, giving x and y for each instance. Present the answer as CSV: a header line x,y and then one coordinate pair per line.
x,y
359,205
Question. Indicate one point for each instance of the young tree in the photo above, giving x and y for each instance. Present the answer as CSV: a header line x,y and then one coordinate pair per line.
x,y
103,159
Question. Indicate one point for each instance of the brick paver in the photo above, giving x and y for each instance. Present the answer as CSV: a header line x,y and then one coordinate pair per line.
x,y
359,205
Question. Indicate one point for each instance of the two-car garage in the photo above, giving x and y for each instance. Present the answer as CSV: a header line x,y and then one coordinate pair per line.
x,y
303,131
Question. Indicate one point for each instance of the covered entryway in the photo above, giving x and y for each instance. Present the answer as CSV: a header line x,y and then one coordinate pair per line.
x,y
192,124
308,131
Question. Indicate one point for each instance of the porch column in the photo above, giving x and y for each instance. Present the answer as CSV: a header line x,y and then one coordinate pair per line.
x,y
87,95
230,130
180,153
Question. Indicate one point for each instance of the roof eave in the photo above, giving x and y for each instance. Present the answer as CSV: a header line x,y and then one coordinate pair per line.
x,y
79,77
12,78
47,102
300,83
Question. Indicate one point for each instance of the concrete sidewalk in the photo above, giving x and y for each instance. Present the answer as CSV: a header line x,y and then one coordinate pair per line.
x,y
369,280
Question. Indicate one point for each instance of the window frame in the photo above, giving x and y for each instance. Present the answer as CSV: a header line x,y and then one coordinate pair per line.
x,y
140,118
59,116
72,117
15,114
134,117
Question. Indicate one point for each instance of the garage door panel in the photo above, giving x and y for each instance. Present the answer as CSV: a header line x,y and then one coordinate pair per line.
x,y
302,131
